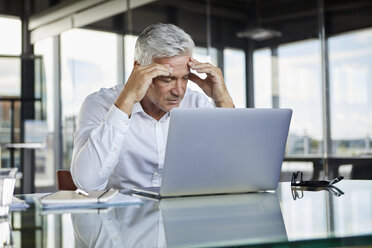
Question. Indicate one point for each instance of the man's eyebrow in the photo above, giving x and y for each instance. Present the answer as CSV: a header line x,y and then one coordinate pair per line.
x,y
165,77
170,76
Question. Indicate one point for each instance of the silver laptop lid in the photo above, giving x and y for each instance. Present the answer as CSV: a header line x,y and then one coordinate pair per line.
x,y
211,151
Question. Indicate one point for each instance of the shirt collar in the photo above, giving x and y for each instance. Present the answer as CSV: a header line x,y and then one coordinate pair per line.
x,y
137,108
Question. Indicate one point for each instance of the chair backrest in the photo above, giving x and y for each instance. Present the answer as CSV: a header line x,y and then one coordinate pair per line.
x,y
64,180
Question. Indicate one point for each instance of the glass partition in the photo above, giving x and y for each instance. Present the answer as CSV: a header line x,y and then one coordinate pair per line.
x,y
262,78
129,44
299,74
350,63
234,73
289,76
45,163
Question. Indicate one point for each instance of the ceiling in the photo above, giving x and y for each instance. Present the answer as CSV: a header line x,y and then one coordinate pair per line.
x,y
294,19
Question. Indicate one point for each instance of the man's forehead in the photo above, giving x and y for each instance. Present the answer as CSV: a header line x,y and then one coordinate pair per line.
x,y
178,60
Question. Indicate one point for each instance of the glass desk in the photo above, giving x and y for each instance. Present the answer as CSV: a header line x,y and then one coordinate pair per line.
x,y
286,218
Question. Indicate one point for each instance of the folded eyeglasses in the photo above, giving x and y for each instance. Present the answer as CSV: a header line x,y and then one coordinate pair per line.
x,y
297,180
299,185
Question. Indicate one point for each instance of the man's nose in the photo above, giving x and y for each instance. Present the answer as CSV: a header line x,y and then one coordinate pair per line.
x,y
177,88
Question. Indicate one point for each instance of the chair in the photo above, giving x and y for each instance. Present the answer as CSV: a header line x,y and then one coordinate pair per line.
x,y
64,180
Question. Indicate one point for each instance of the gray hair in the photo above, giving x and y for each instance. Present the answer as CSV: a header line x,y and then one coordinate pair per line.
x,y
162,41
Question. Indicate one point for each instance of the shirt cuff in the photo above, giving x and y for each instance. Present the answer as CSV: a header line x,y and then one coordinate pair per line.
x,y
118,119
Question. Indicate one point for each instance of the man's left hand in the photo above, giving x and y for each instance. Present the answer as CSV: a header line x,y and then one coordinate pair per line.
x,y
213,85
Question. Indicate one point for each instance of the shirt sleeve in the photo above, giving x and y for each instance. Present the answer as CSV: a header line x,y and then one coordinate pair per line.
x,y
204,101
97,143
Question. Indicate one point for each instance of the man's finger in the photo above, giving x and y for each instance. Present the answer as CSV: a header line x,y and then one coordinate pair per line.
x,y
158,72
194,61
205,68
193,77
197,65
155,70
155,66
208,70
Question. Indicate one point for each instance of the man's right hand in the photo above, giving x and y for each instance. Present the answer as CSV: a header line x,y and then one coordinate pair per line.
x,y
138,83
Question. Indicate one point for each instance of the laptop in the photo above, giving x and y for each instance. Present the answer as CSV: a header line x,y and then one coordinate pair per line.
x,y
222,151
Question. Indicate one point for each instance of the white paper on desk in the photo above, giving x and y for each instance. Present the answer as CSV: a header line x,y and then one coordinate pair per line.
x,y
18,204
118,200
78,210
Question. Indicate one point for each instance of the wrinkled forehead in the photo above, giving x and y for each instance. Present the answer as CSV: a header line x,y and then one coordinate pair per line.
x,y
178,63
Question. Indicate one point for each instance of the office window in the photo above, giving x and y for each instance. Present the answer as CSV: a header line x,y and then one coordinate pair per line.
x,y
234,73
10,63
9,116
10,82
44,48
10,86
45,168
129,44
300,89
290,77
10,76
11,35
350,65
88,63
262,78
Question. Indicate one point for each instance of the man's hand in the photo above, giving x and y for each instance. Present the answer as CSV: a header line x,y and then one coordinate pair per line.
x,y
138,83
213,85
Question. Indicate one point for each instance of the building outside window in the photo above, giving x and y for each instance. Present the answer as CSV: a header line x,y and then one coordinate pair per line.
x,y
350,60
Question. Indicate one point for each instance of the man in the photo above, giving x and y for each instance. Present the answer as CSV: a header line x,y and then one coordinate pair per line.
x,y
121,135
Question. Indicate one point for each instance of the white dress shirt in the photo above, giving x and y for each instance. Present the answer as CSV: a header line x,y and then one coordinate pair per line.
x,y
125,227
112,150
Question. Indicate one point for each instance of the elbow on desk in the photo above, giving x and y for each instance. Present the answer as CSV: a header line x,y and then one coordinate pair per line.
x,y
87,179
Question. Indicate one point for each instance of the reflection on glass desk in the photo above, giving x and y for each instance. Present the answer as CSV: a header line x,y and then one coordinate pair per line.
x,y
317,218
185,222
